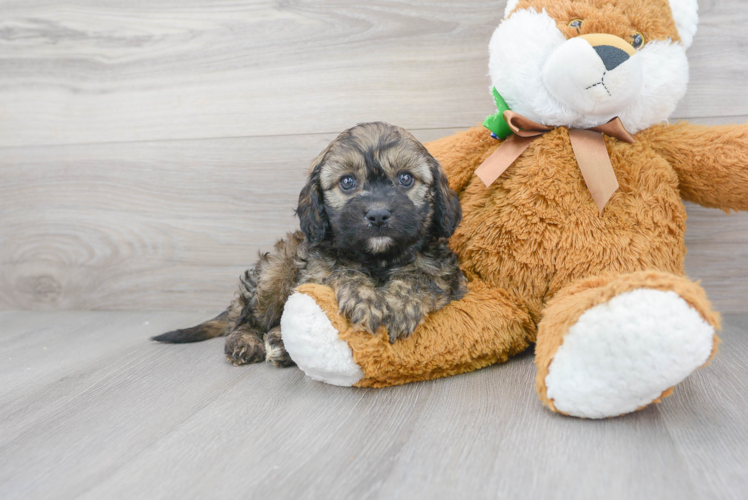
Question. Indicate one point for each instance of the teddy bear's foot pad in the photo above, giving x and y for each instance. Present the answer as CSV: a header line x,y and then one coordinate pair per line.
x,y
313,343
623,354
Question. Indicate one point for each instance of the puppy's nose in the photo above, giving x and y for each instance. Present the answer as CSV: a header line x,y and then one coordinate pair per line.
x,y
378,216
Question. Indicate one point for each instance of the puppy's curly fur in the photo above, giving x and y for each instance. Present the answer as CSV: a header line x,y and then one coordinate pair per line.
x,y
375,214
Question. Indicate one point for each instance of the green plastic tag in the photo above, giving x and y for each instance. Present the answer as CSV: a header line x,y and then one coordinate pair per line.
x,y
496,123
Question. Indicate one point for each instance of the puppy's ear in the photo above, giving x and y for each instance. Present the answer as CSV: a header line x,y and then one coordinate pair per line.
x,y
447,209
311,210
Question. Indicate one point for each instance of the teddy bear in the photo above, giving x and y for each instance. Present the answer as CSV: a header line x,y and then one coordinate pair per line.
x,y
573,226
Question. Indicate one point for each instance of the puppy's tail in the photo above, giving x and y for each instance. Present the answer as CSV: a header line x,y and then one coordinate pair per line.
x,y
212,328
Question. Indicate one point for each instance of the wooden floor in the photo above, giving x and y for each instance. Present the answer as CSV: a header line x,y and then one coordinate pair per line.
x,y
89,408
149,149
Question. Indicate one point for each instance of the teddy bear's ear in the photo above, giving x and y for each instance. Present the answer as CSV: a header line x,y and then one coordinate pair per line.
x,y
686,16
510,6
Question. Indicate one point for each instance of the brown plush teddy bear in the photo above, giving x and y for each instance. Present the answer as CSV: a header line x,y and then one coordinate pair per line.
x,y
571,238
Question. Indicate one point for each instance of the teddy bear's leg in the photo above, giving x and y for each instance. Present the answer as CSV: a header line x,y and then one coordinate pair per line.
x,y
611,345
485,327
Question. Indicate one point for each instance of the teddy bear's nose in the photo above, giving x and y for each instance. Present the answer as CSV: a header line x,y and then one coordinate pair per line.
x,y
612,56
613,50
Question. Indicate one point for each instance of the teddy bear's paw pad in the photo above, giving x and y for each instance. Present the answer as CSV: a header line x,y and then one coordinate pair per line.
x,y
623,354
314,345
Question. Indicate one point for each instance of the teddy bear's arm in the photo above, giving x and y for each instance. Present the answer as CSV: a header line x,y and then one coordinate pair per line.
x,y
711,161
462,153
487,326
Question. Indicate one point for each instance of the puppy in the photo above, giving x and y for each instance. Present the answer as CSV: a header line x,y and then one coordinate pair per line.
x,y
375,214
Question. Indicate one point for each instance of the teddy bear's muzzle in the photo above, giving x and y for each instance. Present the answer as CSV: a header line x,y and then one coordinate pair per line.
x,y
597,74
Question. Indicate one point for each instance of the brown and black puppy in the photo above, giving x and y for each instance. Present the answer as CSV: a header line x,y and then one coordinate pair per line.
x,y
375,217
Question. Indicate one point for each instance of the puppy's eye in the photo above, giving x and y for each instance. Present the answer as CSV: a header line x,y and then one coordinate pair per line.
x,y
576,24
637,40
347,183
406,180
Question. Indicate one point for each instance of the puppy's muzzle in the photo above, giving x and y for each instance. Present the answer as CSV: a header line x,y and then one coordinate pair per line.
x,y
378,204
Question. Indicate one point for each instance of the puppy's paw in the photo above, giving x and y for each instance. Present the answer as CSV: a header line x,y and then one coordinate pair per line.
x,y
276,353
363,307
243,348
366,317
401,324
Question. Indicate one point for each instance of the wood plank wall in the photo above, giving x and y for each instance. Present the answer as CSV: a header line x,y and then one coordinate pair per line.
x,y
150,148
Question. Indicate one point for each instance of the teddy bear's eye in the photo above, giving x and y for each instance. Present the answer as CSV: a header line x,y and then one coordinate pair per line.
x,y
576,24
637,40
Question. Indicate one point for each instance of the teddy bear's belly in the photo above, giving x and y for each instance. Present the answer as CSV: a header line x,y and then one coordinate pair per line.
x,y
537,228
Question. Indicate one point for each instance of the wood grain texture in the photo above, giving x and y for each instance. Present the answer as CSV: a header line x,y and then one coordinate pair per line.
x,y
697,434
126,418
104,226
717,246
155,219
170,225
162,225
85,71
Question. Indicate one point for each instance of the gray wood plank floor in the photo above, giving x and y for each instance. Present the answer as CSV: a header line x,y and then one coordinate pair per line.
x,y
90,408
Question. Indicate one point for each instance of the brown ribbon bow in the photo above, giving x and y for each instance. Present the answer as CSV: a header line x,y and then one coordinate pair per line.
x,y
588,145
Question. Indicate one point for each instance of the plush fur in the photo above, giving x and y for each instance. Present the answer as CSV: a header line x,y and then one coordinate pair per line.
x,y
661,336
539,256
484,328
537,59
375,216
325,352
686,18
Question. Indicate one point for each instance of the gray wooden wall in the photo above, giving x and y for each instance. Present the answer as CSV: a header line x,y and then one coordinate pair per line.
x,y
149,148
